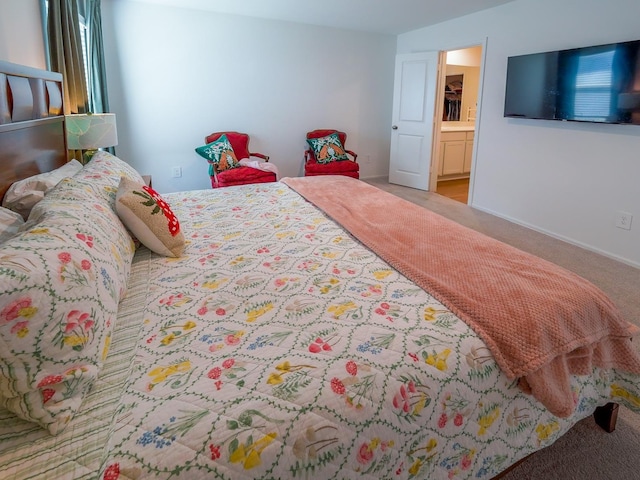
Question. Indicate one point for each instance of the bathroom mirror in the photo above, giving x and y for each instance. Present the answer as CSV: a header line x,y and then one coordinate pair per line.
x,y
452,98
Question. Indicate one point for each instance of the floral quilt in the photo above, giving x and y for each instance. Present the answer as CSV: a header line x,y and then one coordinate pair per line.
x,y
279,347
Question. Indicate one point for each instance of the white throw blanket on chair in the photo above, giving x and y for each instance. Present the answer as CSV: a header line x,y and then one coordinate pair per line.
x,y
264,166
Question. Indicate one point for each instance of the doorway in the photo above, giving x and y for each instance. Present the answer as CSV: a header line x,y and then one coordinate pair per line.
x,y
454,135
412,124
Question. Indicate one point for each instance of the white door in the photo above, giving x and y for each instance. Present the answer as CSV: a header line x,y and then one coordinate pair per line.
x,y
414,94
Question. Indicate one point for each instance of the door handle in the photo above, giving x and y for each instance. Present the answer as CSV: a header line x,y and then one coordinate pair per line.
x,y
394,127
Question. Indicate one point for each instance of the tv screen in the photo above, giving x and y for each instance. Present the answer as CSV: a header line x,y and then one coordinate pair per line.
x,y
590,84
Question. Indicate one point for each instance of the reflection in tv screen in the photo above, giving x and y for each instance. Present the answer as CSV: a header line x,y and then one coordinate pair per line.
x,y
591,84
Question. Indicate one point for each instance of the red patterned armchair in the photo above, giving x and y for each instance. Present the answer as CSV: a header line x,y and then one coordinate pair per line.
x,y
223,151
327,155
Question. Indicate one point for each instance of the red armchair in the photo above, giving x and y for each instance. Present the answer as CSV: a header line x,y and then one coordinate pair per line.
x,y
342,166
238,175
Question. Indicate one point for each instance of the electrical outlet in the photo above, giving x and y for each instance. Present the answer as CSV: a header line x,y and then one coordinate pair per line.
x,y
623,220
176,172
367,158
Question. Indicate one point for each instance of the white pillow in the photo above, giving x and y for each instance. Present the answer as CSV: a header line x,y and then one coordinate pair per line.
x,y
24,194
10,222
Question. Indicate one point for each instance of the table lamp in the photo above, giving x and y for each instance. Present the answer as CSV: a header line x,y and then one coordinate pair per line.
x,y
91,131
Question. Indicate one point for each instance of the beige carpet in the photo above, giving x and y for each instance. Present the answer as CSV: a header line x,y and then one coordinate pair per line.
x,y
586,451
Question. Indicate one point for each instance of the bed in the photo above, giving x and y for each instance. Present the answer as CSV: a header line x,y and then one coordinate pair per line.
x,y
273,343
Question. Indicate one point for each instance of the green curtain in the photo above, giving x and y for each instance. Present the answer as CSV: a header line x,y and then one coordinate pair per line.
x,y
45,31
65,51
98,97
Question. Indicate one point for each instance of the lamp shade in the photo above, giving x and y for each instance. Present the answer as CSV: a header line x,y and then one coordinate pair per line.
x,y
91,131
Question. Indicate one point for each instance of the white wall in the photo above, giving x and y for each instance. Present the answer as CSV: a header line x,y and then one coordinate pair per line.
x,y
21,39
175,75
565,179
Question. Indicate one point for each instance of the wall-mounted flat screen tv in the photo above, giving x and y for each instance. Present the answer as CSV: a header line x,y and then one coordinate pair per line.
x,y
590,84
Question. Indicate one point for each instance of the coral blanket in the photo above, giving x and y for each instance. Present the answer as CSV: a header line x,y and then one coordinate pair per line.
x,y
541,322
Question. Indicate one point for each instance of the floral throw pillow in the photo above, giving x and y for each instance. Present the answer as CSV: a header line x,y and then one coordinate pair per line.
x,y
220,155
61,279
104,171
149,218
327,149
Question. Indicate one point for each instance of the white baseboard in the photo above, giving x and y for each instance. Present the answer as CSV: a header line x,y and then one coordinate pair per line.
x,y
572,241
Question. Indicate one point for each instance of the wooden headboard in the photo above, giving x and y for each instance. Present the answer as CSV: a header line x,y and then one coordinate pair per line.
x,y
32,132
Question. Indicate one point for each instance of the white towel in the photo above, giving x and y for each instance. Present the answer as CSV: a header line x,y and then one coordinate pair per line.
x,y
264,166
